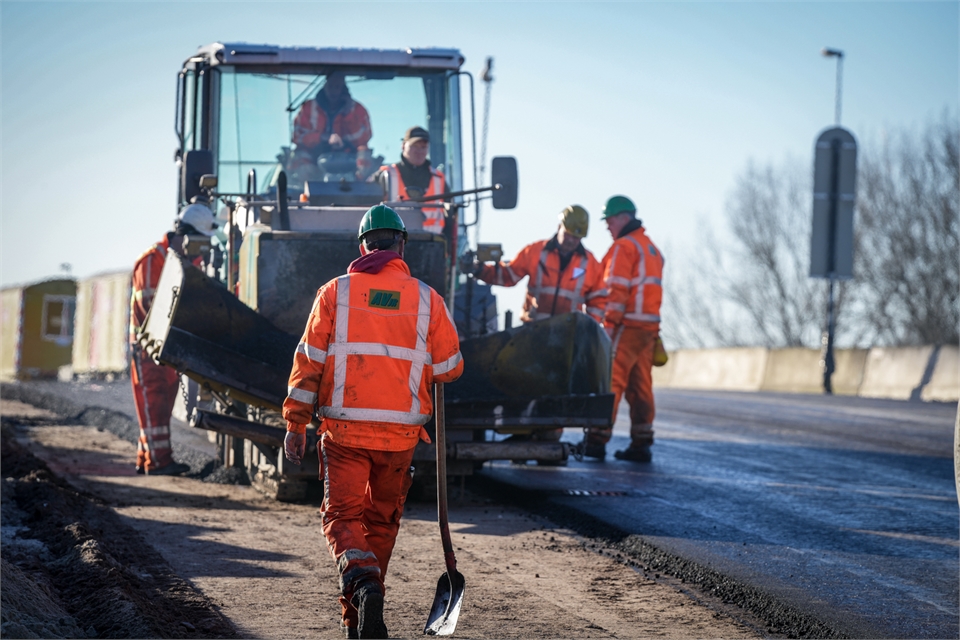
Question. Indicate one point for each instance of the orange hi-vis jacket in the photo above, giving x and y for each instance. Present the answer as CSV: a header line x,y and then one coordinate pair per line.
x,y
550,292
398,191
632,270
146,276
373,347
351,123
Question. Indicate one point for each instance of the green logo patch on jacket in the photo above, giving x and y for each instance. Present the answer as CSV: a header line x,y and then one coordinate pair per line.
x,y
384,299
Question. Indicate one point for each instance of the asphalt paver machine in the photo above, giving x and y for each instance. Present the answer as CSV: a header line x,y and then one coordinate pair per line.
x,y
290,225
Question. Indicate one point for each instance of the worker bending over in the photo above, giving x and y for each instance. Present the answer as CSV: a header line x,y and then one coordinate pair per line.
x,y
155,386
564,275
632,271
375,342
413,177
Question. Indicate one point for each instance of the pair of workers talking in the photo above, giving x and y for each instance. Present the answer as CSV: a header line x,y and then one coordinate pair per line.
x,y
622,292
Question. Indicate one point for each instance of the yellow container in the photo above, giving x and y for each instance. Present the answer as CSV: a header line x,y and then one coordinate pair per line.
x,y
101,332
37,329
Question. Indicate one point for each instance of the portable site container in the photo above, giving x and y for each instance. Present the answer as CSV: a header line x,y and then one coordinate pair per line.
x,y
37,329
101,340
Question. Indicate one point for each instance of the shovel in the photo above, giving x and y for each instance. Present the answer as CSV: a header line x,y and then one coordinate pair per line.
x,y
449,598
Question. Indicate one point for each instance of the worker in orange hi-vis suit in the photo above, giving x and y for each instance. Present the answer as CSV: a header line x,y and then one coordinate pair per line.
x,y
413,177
632,271
332,121
564,275
375,342
155,386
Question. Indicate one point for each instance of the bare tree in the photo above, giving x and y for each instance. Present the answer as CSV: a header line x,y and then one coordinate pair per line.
x,y
908,263
754,288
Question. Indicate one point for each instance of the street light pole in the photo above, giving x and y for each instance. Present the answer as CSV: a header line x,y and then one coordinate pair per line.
x,y
829,362
838,54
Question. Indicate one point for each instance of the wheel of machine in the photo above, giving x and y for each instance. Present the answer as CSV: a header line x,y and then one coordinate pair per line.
x,y
265,477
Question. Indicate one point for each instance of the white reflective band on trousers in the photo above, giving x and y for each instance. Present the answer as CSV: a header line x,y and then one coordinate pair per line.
x,y
638,281
342,349
159,430
537,289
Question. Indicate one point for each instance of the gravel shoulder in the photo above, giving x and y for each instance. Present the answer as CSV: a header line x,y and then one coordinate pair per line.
x,y
252,567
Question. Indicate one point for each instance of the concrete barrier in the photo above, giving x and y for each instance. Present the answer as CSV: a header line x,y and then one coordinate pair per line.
x,y
902,373
663,376
894,372
795,370
848,377
944,384
728,369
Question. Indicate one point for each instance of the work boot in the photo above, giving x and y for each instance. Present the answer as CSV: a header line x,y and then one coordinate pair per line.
x,y
369,603
593,450
172,469
638,453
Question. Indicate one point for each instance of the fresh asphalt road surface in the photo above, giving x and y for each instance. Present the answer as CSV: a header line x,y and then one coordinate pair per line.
x,y
845,508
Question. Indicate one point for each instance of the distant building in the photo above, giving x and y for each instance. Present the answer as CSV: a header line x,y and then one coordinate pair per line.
x,y
36,329
102,326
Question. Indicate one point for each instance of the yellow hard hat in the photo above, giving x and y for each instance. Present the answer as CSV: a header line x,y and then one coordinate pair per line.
x,y
575,220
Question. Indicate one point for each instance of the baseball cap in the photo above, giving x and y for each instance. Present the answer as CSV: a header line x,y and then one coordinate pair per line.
x,y
416,133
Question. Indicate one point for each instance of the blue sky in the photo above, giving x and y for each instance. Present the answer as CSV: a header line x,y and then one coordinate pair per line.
x,y
663,102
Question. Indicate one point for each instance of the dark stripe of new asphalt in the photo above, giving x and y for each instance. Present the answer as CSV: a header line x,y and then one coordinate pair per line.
x,y
825,516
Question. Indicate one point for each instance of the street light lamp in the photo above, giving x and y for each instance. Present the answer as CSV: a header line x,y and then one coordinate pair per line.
x,y
827,341
827,52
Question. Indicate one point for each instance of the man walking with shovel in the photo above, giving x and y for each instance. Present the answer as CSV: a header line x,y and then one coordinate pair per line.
x,y
376,341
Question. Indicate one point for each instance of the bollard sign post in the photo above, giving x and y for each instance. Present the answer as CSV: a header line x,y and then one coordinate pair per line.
x,y
831,243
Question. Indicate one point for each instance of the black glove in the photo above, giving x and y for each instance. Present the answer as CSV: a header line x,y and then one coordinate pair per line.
x,y
469,263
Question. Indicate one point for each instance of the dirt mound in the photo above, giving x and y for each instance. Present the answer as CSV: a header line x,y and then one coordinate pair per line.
x,y
72,568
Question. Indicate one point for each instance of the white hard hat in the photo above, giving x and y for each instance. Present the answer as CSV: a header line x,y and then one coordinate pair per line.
x,y
200,217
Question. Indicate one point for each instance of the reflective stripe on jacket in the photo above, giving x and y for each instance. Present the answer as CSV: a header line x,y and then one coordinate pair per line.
x,y
372,348
632,272
145,277
351,123
398,191
550,292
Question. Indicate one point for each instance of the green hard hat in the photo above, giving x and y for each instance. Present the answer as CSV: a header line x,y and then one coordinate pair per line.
x,y
381,217
617,205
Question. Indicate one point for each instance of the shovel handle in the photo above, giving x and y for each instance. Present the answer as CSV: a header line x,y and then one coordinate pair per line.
x,y
441,444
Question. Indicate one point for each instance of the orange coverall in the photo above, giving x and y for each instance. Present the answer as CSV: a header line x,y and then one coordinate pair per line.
x,y
550,292
632,272
312,126
398,191
375,342
154,386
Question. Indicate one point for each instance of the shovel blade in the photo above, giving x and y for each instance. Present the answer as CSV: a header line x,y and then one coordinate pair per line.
x,y
446,605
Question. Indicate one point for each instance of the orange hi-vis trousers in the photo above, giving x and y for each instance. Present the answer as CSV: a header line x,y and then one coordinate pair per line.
x,y
154,393
363,496
632,379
